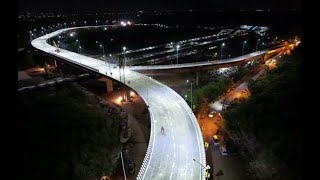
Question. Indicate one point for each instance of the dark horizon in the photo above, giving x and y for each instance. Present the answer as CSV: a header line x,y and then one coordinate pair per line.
x,y
178,5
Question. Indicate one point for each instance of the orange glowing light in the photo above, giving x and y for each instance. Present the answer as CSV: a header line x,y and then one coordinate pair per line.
x,y
119,100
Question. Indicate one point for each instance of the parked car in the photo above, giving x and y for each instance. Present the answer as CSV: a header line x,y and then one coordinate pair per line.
x,y
211,113
223,151
215,140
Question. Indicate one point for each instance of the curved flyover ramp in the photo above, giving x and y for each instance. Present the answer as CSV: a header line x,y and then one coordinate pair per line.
x,y
169,155
246,57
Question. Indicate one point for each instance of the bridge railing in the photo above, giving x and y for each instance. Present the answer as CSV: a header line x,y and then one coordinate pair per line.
x,y
147,157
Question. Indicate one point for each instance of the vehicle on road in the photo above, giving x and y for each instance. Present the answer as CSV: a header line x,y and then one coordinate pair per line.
x,y
211,113
223,151
215,140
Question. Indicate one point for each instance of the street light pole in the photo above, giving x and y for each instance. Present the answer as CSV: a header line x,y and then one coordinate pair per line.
x,y
124,171
205,167
178,46
173,51
222,45
119,64
109,65
103,50
78,42
124,78
200,164
80,52
244,42
191,98
257,44
124,63
148,88
30,35
191,94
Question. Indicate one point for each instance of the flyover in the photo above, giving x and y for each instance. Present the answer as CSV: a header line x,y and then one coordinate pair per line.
x,y
168,156
210,64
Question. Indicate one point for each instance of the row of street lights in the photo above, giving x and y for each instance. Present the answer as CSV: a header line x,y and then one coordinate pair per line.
x,y
177,46
177,50
103,51
243,46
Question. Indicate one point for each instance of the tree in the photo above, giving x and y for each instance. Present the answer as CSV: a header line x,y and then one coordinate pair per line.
x,y
268,119
64,134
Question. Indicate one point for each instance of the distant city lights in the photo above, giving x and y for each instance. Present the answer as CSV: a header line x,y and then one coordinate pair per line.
x,y
123,23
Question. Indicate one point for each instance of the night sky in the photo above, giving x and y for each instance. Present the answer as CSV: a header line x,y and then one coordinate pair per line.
x,y
120,5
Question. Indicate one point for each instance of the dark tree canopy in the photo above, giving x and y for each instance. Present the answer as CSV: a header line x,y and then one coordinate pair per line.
x,y
64,135
272,115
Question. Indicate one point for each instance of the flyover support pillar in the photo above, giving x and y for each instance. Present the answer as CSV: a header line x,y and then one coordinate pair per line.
x,y
109,85
108,82
55,63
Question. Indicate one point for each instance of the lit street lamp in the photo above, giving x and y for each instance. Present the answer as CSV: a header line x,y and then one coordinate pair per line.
x,y
191,94
124,64
178,46
80,53
222,45
123,71
110,64
148,88
124,53
79,50
30,35
78,42
257,44
103,51
204,167
244,43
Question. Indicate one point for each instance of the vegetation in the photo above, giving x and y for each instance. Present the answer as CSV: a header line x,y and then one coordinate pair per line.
x,y
64,134
241,72
267,125
211,90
